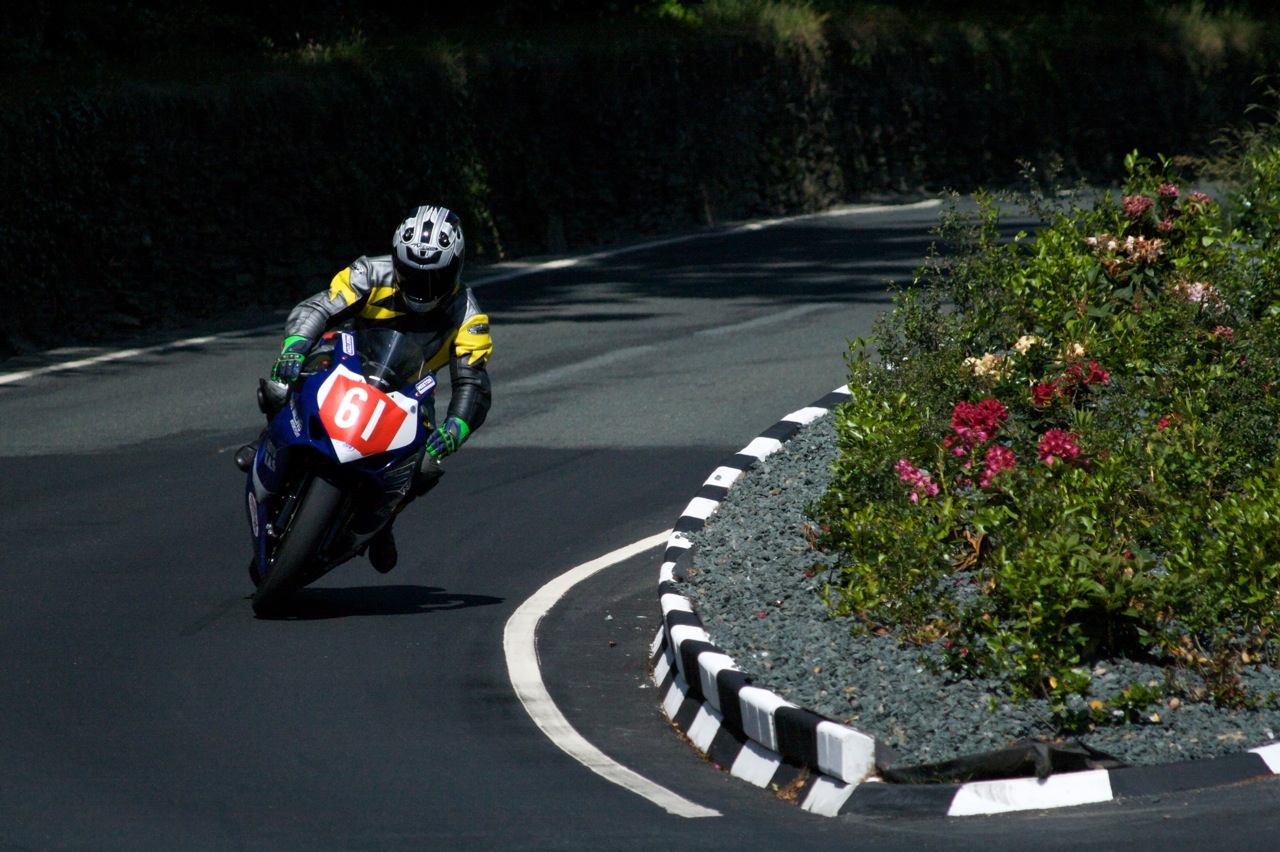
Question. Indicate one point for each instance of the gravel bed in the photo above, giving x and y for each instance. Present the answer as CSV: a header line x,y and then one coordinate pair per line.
x,y
749,586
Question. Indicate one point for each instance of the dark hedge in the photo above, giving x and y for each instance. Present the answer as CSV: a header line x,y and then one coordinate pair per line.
x,y
131,203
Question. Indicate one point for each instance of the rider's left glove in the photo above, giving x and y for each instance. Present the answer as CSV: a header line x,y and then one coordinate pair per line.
x,y
446,439
289,363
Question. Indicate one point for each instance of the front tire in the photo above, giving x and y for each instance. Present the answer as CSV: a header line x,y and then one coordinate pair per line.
x,y
292,565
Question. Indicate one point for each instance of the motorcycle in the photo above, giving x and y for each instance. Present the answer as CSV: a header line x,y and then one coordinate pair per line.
x,y
337,459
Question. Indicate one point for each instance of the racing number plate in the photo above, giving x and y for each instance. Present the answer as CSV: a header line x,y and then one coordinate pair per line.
x,y
362,420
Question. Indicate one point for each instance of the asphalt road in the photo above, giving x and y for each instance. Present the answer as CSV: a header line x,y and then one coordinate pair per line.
x,y
145,707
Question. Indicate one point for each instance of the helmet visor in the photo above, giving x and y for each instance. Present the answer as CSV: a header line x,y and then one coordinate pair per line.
x,y
424,286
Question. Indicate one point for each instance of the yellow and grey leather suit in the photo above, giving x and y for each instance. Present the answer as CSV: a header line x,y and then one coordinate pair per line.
x,y
454,332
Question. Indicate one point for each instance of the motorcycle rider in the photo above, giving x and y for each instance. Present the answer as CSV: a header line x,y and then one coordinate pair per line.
x,y
417,289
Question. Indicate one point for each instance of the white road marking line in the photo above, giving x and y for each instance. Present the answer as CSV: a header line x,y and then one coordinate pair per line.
x,y
767,319
81,363
748,227
519,642
558,374
562,263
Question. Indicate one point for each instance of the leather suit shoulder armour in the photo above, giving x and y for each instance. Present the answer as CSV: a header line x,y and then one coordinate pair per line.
x,y
371,273
348,292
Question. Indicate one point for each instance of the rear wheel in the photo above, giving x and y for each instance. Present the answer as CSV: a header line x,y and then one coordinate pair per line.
x,y
293,564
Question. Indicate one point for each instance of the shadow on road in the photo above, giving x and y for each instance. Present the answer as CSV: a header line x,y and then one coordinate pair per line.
x,y
316,604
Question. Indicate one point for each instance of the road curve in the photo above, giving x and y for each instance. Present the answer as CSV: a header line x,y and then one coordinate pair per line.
x,y
145,706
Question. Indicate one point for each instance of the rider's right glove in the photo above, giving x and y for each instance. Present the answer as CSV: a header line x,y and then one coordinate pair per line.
x,y
289,363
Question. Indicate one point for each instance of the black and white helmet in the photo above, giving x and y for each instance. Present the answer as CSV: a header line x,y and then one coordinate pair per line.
x,y
427,253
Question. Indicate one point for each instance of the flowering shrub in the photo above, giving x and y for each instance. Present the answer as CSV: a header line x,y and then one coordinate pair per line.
x,y
1066,449
917,479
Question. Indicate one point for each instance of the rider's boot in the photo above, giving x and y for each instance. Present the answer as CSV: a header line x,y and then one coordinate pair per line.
x,y
426,477
382,548
245,455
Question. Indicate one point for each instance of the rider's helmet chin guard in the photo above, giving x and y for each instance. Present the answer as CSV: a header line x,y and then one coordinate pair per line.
x,y
427,253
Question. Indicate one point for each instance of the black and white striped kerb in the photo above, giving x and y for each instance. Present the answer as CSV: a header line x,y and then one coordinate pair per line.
x,y
750,731
827,767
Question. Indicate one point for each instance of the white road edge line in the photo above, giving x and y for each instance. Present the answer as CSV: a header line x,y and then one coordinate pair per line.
x,y
519,642
562,263
119,355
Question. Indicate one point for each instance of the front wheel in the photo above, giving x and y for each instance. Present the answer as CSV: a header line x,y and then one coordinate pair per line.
x,y
295,557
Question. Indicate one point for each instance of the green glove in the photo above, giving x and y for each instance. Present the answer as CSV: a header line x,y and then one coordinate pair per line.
x,y
446,439
289,363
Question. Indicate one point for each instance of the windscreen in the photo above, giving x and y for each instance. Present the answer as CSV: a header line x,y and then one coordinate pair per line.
x,y
389,359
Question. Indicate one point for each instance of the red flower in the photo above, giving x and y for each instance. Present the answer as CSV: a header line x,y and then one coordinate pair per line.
x,y
1057,445
1095,376
1042,393
978,423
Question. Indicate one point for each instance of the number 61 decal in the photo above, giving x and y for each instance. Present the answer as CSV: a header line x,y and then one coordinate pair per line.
x,y
362,420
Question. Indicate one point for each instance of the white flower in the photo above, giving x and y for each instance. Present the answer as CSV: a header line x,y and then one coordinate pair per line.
x,y
1025,342
988,365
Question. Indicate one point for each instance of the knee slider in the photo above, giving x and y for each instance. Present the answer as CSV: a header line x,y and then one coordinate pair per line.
x,y
427,475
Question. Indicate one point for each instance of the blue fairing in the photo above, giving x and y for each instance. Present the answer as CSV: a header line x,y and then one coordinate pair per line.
x,y
296,443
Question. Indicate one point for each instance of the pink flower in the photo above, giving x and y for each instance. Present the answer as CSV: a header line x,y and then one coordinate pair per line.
x,y
1167,421
917,478
1135,206
1168,190
1058,445
1199,292
1197,201
1165,225
999,459
1224,332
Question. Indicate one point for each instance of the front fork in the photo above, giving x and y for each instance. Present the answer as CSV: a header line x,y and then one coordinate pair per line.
x,y
268,526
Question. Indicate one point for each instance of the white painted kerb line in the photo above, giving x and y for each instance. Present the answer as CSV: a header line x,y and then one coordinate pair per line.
x,y
519,644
